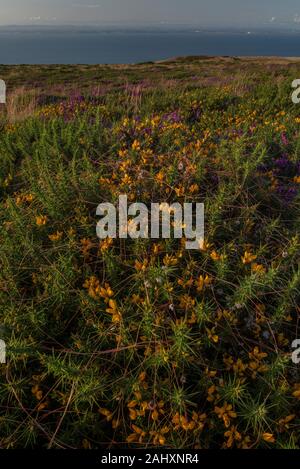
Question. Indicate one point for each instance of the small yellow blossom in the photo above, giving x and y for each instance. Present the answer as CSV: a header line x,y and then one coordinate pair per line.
x,y
296,393
141,266
284,423
248,258
56,236
41,220
170,260
203,282
106,413
113,310
136,146
258,268
268,437
232,435
105,244
225,413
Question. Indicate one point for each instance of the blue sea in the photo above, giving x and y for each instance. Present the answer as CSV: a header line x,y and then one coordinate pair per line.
x,y
95,45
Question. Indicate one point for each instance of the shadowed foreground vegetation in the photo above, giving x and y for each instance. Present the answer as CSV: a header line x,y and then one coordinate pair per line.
x,y
141,343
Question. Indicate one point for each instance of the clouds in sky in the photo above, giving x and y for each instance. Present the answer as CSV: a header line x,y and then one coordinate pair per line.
x,y
200,12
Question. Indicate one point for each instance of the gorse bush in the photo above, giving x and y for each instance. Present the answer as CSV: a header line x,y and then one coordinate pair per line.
x,y
141,343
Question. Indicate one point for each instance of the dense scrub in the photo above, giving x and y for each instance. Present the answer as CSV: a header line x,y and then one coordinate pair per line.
x,y
143,343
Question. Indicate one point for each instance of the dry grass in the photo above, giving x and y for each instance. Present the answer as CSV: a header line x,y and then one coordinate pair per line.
x,y
21,104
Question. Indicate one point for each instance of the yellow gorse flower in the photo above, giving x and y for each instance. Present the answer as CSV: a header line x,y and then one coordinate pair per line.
x,y
225,413
105,245
138,435
24,198
113,310
56,236
232,435
258,268
284,423
248,257
203,282
170,261
217,257
86,246
136,146
296,393
268,437
106,413
41,220
141,266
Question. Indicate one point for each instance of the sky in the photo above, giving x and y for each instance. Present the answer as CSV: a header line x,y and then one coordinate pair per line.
x,y
213,13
